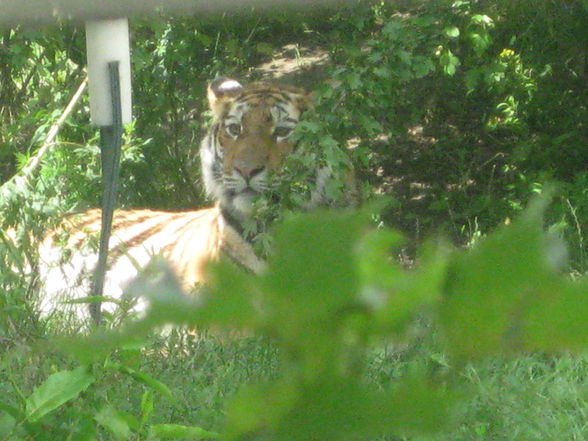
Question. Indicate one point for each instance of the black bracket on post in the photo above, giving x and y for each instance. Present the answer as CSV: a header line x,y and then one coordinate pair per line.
x,y
110,148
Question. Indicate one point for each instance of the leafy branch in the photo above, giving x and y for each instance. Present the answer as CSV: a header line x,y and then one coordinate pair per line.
x,y
22,179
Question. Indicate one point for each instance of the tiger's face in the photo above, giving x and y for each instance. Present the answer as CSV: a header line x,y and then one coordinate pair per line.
x,y
248,141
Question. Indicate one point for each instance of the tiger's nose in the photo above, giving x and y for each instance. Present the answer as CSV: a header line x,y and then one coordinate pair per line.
x,y
249,172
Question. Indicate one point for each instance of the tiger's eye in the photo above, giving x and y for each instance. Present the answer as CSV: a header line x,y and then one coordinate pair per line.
x,y
282,132
234,129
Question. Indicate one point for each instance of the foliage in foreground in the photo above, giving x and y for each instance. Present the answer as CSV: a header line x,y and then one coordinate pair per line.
x,y
330,294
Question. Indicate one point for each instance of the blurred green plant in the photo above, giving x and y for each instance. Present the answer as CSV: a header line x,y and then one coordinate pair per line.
x,y
461,109
331,292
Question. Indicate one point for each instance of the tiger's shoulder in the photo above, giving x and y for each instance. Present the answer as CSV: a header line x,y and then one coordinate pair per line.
x,y
186,240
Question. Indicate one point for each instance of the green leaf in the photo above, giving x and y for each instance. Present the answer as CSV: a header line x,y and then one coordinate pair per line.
x,y
493,290
110,419
353,80
329,143
383,72
418,406
308,126
449,62
58,389
86,429
227,300
147,407
10,410
93,299
144,379
259,406
472,78
479,42
558,322
393,29
8,425
451,32
335,409
369,124
482,19
313,271
176,431
405,57
422,66
100,343
394,294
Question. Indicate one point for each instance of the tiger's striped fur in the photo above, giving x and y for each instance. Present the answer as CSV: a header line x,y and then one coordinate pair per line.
x,y
248,140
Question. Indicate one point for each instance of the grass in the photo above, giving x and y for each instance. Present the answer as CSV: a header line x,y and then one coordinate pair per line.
x,y
205,374
533,397
536,397
528,398
202,374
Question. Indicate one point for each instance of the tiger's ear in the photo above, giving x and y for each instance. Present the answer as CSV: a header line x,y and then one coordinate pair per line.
x,y
220,91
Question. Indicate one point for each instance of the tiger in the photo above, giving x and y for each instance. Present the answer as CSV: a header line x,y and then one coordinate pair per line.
x,y
248,140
